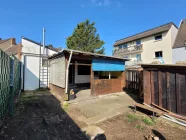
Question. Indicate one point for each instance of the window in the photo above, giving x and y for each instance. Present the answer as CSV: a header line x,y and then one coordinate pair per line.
x,y
158,37
125,57
83,70
138,42
120,47
124,45
158,54
138,57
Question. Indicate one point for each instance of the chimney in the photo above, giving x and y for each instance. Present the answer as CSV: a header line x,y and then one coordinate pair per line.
x,y
13,42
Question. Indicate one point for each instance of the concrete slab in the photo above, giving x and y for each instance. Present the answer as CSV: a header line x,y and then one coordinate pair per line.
x,y
103,107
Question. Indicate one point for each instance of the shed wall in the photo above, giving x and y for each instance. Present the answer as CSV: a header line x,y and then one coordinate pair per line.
x,y
57,71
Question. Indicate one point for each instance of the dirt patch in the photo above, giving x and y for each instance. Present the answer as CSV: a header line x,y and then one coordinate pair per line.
x,y
132,126
40,118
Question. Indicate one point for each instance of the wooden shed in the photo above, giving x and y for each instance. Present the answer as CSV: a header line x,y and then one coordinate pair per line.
x,y
71,68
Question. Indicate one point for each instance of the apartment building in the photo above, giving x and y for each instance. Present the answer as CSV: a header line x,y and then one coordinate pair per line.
x,y
147,46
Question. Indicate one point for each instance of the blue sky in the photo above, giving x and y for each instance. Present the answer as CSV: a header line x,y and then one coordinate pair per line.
x,y
115,19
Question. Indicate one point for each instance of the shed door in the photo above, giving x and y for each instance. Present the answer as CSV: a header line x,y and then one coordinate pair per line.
x,y
31,77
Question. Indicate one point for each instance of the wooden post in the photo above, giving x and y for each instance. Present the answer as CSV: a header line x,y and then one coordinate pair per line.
x,y
92,82
147,87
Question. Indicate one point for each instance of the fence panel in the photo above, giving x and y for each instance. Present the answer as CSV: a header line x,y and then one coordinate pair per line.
x,y
4,84
10,84
167,87
134,80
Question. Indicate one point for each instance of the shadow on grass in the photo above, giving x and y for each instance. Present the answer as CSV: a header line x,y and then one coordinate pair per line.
x,y
41,117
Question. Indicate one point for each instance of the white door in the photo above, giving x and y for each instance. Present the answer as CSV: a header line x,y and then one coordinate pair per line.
x,y
31,81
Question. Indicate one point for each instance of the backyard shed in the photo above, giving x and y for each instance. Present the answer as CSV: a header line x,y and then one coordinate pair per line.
x,y
102,74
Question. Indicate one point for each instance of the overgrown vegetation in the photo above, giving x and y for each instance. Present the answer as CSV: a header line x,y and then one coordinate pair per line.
x,y
133,118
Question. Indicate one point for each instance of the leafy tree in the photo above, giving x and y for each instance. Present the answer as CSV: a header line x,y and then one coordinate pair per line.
x,y
85,38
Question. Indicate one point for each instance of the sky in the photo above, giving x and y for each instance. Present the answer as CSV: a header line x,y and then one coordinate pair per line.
x,y
115,19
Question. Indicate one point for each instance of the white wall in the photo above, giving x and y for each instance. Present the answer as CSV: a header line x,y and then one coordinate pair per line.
x,y
150,46
33,66
81,78
178,54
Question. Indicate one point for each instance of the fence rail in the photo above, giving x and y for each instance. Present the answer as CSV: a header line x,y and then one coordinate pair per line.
x,y
10,85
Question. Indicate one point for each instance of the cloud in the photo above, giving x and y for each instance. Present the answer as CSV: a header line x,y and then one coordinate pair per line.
x,y
101,2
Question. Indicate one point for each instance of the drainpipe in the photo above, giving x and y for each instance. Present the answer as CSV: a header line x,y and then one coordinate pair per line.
x,y
67,72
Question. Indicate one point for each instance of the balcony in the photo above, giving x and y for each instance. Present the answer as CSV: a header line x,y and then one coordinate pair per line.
x,y
129,50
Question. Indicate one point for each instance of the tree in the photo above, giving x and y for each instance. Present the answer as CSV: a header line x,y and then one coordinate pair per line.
x,y
85,38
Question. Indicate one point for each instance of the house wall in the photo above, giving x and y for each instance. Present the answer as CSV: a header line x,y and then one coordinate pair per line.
x,y
34,50
178,54
150,46
79,79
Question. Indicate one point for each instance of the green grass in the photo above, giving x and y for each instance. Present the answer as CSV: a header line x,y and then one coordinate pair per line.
x,y
141,128
132,118
148,121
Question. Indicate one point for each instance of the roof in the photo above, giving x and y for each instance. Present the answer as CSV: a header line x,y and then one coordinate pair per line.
x,y
146,33
13,50
1,41
53,49
87,54
181,35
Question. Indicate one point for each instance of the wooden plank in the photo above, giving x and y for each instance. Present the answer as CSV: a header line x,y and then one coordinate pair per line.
x,y
164,89
178,110
168,91
156,92
147,87
182,93
160,87
152,86
173,92
157,111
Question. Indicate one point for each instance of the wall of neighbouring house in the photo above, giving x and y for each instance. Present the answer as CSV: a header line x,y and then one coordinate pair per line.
x,y
79,79
57,71
178,54
150,46
33,66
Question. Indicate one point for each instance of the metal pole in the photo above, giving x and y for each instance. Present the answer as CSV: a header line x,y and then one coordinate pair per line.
x,y
44,41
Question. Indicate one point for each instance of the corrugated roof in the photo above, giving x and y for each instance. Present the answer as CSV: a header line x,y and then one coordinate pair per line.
x,y
87,53
181,36
146,33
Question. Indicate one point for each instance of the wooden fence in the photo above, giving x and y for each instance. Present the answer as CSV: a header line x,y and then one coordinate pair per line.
x,y
134,80
165,86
